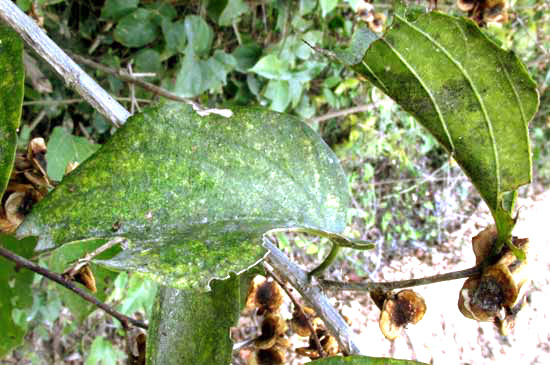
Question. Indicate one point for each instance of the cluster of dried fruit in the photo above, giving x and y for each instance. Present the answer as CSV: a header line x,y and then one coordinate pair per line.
x,y
375,21
398,310
485,11
266,296
496,294
28,184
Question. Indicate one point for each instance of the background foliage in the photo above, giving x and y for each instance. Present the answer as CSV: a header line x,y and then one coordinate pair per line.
x,y
407,193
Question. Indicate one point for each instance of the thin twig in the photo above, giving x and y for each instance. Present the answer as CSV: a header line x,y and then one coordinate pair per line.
x,y
73,75
299,279
125,76
342,113
78,264
390,285
49,102
23,262
300,310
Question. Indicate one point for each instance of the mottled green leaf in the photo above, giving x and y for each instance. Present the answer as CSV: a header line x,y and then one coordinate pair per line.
x,y
190,327
363,360
63,257
191,80
473,96
114,9
199,34
148,60
195,194
64,148
272,67
15,289
136,29
11,99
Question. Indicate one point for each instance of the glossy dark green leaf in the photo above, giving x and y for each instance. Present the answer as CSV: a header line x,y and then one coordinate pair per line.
x,y
363,360
136,29
115,9
195,194
63,257
15,289
191,327
64,148
474,97
11,99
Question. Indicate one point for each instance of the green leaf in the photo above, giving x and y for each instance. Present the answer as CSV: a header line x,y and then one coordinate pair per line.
x,y
327,6
199,34
272,67
60,260
174,35
195,194
247,55
190,80
474,97
190,327
136,29
278,92
11,99
363,360
115,9
15,286
64,148
148,60
232,11
103,352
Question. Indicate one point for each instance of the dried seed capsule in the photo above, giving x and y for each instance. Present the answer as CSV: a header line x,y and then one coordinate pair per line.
x,y
399,310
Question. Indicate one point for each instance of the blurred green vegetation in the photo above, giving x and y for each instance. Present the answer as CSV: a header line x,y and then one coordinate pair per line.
x,y
407,193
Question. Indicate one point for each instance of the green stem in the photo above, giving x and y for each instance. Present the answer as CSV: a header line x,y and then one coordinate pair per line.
x,y
327,261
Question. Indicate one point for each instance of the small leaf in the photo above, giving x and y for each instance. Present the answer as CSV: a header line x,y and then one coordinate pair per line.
x,y
199,34
60,260
246,56
271,67
174,35
195,194
363,360
103,352
474,97
190,327
64,148
327,6
11,99
190,79
114,9
15,286
136,29
232,11
148,60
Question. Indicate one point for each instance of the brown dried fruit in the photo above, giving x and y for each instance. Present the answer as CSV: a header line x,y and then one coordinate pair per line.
x,y
264,294
85,276
272,356
36,154
495,11
273,326
299,322
466,5
379,296
377,22
398,311
15,207
483,242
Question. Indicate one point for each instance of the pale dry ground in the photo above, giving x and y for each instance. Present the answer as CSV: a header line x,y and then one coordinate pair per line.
x,y
444,336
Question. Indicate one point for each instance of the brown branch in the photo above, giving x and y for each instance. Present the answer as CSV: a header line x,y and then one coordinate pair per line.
x,y
73,75
299,279
390,285
301,312
23,262
125,76
341,113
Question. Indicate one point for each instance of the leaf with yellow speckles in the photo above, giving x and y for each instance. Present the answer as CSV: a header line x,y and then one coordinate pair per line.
x,y
11,99
195,194
473,96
